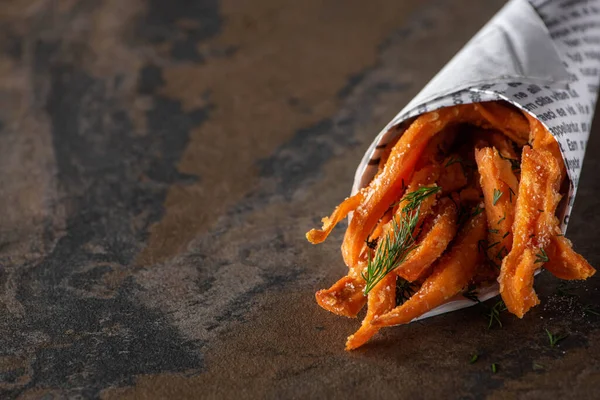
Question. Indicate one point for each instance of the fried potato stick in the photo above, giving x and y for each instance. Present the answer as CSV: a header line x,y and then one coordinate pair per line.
x,y
534,225
316,236
507,120
451,274
499,186
433,244
564,263
345,297
382,298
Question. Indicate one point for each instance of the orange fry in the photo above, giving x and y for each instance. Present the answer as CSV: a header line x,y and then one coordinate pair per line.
x,y
453,176
385,188
379,229
534,225
564,263
382,298
541,139
316,236
504,118
433,243
502,144
450,275
345,297
499,197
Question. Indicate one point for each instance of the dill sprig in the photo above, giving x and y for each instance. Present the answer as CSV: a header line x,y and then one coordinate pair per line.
x,y
497,195
494,314
395,247
541,257
494,368
554,339
474,358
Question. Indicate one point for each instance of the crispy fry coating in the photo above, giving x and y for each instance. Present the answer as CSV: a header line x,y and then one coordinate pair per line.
x,y
497,173
316,236
499,186
345,297
385,188
433,244
564,263
502,117
381,299
534,225
450,276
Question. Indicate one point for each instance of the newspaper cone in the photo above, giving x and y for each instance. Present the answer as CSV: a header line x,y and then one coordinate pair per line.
x,y
542,56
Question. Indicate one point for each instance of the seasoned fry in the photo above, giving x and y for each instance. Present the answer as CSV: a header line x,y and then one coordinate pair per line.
x,y
316,236
541,139
564,263
499,196
512,124
484,170
379,229
384,188
536,204
450,276
381,299
433,243
502,144
345,297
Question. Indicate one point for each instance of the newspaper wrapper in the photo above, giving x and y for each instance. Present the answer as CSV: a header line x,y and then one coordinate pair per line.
x,y
543,57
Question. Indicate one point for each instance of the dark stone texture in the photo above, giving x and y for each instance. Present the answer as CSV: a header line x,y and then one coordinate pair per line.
x,y
160,163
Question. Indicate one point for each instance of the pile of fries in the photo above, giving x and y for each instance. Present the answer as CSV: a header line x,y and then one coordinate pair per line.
x,y
464,196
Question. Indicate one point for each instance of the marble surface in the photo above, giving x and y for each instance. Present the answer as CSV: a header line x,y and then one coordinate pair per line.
x,y
160,163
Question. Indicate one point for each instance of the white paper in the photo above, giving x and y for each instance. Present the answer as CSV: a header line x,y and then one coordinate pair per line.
x,y
542,56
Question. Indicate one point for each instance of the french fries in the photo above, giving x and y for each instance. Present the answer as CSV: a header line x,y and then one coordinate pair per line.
x,y
465,196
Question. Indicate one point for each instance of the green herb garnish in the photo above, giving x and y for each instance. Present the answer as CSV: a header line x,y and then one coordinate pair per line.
x,y
503,218
514,164
554,339
395,247
474,358
497,195
541,257
494,314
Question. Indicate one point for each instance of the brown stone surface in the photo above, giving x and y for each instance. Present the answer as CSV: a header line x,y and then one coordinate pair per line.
x,y
160,162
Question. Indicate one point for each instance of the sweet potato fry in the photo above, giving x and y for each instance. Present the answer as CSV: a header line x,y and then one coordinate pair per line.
x,y
380,228
534,225
502,144
450,275
316,236
541,139
453,176
345,297
382,298
384,188
506,119
499,197
433,243
564,263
